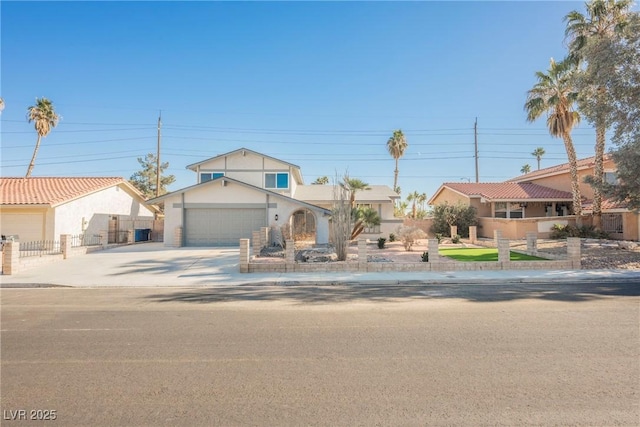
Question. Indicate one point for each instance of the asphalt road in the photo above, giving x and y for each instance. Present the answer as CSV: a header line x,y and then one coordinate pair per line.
x,y
363,355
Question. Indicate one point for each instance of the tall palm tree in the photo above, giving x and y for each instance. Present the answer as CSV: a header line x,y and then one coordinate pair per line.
x,y
45,118
525,169
396,145
554,95
422,199
604,18
1,104
537,153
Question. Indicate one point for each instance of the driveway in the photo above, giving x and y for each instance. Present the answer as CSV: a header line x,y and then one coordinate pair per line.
x,y
148,264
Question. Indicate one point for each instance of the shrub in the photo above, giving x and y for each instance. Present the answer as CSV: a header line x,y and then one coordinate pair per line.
x,y
439,237
392,237
381,242
409,235
560,231
425,256
446,215
455,239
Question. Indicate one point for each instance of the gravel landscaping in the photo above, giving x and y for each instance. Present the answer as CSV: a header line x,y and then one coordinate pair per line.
x,y
596,254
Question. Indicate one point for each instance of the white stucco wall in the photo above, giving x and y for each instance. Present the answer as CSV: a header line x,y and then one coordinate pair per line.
x,y
249,168
95,209
214,195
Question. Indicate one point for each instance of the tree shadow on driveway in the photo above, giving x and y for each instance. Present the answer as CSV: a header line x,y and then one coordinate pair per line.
x,y
310,294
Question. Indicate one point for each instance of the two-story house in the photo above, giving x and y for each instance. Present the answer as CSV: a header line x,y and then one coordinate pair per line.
x,y
242,191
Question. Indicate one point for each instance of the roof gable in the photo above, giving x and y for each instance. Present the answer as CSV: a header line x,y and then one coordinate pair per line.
x,y
53,191
194,166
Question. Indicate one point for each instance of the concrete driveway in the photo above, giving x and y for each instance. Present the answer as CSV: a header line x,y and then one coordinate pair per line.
x,y
148,264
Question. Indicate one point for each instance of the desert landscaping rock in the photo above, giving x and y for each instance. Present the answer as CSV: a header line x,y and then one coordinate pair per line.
x,y
596,254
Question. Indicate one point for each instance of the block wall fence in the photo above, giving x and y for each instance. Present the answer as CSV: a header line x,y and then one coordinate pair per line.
x,y
436,261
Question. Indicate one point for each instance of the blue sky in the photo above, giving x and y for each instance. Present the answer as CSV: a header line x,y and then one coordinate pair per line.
x,y
320,85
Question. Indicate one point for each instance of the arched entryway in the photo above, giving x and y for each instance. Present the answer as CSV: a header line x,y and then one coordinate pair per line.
x,y
303,226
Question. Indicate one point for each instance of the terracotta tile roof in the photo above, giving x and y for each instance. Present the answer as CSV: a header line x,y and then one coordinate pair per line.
x,y
51,191
508,191
607,204
558,169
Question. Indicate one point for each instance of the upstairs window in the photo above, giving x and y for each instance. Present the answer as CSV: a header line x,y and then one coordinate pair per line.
x,y
208,176
276,180
611,178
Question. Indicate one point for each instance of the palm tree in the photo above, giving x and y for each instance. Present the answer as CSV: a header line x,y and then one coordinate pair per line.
x,y
525,169
396,145
554,95
45,118
422,199
537,153
414,198
353,185
1,104
604,18
322,180
400,210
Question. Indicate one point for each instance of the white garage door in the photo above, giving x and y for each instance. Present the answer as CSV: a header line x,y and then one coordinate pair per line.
x,y
221,227
27,226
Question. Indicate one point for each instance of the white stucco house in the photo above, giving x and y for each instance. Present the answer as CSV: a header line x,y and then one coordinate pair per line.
x,y
43,208
242,191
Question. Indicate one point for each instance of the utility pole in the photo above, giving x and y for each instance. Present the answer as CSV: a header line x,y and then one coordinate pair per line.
x,y
158,156
475,137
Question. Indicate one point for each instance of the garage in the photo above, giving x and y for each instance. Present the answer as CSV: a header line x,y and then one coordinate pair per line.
x,y
28,227
221,227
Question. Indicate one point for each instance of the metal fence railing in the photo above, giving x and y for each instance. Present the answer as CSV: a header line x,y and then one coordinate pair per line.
x,y
39,248
85,240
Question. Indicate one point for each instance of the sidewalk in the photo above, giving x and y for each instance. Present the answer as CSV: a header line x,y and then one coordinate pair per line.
x,y
153,265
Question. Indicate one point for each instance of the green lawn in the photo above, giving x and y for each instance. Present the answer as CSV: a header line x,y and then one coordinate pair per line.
x,y
483,254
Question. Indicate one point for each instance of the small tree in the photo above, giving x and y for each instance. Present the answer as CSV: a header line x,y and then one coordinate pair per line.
x,y
322,180
525,169
460,215
145,179
409,235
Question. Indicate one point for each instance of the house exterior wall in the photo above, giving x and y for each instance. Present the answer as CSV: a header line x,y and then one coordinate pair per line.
x,y
95,210
450,197
630,226
249,168
563,181
482,209
518,228
215,195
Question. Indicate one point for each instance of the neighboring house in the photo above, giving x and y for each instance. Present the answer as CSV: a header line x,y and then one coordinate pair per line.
x,y
38,208
242,191
536,201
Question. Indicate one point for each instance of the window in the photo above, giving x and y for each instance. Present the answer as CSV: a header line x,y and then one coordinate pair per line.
x,y
611,178
208,176
276,180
